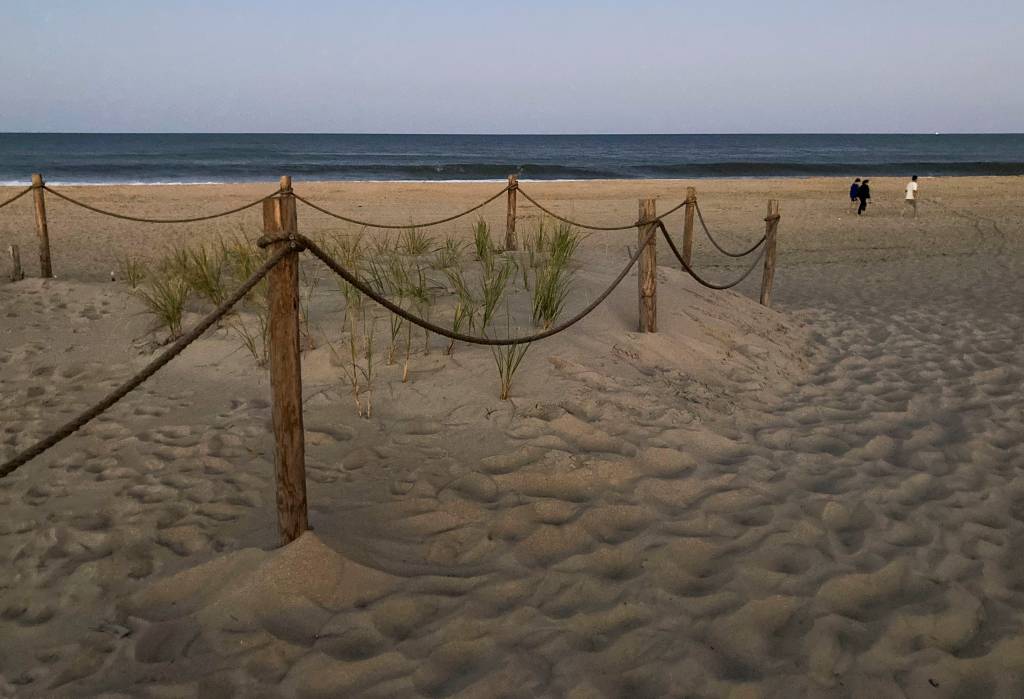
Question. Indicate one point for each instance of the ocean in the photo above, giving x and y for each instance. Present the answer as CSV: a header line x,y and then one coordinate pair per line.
x,y
217,158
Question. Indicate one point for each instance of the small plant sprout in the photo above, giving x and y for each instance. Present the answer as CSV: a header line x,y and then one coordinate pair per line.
x,y
419,292
449,255
311,279
358,366
132,270
369,332
165,295
408,352
395,326
508,358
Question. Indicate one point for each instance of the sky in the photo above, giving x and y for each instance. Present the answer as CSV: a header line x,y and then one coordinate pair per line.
x,y
518,66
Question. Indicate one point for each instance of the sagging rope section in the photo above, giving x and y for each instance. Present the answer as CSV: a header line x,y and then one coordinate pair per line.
x,y
700,280
407,226
707,232
140,219
17,196
589,226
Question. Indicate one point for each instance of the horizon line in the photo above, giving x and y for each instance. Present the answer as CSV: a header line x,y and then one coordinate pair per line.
x,y
474,133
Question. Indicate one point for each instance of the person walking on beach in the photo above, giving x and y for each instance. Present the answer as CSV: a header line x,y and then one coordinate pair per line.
x,y
911,199
854,188
863,193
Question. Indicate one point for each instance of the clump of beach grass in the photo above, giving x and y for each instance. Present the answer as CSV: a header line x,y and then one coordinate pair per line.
x,y
493,282
203,271
165,295
413,242
553,278
508,359
482,242
466,306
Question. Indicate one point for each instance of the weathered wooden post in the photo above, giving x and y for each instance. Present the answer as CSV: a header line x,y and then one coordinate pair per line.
x,y
771,227
17,273
691,205
280,221
647,269
511,243
45,264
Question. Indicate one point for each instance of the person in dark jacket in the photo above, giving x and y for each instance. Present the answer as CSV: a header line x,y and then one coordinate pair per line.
x,y
863,193
854,188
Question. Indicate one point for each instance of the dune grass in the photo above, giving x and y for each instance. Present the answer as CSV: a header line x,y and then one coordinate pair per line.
x,y
132,270
553,278
508,358
164,295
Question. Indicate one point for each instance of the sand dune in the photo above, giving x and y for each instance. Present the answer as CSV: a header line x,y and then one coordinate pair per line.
x,y
818,500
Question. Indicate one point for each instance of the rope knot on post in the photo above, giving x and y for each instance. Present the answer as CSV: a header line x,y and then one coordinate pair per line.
x,y
294,241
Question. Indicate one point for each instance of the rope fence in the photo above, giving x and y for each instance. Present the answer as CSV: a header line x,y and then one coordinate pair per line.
x,y
407,226
8,467
707,232
140,219
284,244
16,197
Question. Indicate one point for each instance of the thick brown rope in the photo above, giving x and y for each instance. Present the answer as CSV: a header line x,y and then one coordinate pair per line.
x,y
450,334
714,242
135,381
697,277
569,221
140,219
425,224
17,196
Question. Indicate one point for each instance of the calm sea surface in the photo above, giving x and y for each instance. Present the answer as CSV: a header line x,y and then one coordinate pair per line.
x,y
181,158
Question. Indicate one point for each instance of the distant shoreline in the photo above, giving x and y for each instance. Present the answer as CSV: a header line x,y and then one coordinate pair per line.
x,y
138,159
634,180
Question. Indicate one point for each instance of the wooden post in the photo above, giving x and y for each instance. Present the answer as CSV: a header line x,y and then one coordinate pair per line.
x,y
45,265
647,269
691,206
280,220
511,243
17,273
771,226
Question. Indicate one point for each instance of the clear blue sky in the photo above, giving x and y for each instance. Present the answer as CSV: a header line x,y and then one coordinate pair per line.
x,y
525,66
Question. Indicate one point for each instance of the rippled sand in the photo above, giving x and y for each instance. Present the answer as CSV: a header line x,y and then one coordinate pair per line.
x,y
826,499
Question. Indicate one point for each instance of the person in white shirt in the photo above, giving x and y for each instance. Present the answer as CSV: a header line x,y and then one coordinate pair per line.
x,y
911,199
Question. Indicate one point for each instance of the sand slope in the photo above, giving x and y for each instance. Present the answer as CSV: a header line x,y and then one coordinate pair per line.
x,y
825,502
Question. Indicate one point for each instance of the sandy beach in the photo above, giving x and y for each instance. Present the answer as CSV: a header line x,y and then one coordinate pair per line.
x,y
824,498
